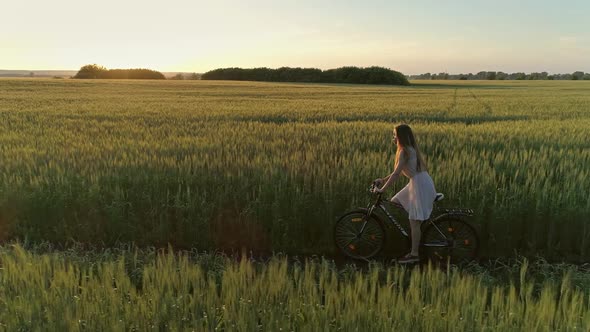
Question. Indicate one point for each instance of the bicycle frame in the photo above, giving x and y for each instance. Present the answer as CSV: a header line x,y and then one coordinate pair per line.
x,y
391,218
378,204
446,212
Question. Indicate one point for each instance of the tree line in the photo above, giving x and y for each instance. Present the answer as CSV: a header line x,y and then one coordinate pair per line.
x,y
493,75
99,72
181,76
354,75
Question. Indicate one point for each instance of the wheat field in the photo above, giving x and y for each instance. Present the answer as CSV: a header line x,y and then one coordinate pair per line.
x,y
270,166
125,289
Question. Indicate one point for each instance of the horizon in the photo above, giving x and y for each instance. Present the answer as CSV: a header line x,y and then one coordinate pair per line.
x,y
455,37
200,73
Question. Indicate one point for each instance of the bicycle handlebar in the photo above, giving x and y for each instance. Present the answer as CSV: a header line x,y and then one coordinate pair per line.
x,y
372,190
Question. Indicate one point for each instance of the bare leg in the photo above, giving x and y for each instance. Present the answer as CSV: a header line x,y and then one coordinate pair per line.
x,y
416,234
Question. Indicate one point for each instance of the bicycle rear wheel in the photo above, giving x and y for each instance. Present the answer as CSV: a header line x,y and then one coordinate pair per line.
x,y
450,239
359,236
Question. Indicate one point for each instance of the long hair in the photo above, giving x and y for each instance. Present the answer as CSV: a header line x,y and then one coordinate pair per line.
x,y
406,138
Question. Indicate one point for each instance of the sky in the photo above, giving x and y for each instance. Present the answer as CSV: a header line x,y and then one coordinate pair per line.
x,y
413,36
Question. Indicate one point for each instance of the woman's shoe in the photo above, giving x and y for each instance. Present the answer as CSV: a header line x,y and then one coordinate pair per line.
x,y
408,259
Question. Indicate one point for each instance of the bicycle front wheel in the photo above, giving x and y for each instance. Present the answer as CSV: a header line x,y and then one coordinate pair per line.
x,y
450,239
359,236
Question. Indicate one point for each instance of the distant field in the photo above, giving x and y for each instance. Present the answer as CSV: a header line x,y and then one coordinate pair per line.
x,y
271,166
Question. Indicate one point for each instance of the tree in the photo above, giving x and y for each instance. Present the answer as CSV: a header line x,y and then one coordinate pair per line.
x,y
440,76
481,75
356,75
91,71
178,76
578,75
95,71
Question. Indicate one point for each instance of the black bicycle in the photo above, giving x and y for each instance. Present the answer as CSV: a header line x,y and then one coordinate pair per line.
x,y
360,233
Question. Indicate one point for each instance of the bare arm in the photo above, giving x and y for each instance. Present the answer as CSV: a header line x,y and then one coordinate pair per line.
x,y
396,172
383,180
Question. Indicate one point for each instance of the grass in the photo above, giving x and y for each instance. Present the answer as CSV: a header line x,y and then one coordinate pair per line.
x,y
126,288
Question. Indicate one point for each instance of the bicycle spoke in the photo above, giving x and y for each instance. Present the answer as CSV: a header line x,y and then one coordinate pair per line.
x,y
350,227
347,243
357,244
436,244
461,244
346,235
371,242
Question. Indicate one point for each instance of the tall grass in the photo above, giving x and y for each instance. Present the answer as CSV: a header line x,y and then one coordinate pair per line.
x,y
181,292
271,166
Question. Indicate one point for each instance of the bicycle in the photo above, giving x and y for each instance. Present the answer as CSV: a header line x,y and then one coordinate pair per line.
x,y
360,233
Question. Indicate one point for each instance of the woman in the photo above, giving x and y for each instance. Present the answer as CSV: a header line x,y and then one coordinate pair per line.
x,y
417,197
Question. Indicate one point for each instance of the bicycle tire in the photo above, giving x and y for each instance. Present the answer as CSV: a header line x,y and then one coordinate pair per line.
x,y
346,237
462,247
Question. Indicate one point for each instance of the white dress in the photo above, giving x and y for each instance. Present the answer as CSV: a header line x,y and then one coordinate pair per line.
x,y
417,197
